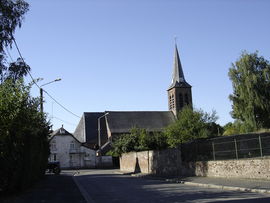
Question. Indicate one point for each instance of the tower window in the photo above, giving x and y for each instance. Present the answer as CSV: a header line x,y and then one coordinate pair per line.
x,y
172,101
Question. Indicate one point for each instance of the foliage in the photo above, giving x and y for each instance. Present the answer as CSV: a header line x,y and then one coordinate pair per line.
x,y
24,145
138,140
251,96
190,125
11,16
234,128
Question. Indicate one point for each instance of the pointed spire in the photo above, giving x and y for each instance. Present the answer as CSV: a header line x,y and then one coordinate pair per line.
x,y
178,78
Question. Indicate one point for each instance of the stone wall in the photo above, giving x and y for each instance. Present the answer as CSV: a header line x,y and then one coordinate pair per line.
x,y
255,168
162,163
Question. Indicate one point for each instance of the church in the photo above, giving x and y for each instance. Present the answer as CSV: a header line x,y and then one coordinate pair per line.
x,y
97,129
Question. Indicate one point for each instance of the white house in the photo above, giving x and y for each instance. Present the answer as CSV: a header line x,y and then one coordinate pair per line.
x,y
71,153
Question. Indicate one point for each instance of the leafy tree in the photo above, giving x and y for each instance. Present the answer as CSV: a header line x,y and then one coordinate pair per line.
x,y
24,147
250,76
190,125
11,16
139,140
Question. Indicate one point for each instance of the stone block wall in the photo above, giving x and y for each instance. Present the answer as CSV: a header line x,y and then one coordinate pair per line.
x,y
162,163
168,163
255,168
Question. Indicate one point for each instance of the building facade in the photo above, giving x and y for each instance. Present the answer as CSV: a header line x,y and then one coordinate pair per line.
x,y
69,151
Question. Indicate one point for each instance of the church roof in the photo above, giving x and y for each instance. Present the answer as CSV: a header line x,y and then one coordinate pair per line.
x,y
178,78
123,121
87,129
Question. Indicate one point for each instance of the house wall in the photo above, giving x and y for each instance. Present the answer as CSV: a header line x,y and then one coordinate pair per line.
x,y
70,157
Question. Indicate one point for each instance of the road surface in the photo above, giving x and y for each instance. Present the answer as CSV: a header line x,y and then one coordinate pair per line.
x,y
101,186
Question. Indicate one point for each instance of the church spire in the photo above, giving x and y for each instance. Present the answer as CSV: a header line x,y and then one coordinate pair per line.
x,y
178,78
179,92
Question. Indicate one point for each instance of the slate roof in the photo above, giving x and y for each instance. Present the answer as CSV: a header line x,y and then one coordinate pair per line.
x,y
178,78
88,127
123,121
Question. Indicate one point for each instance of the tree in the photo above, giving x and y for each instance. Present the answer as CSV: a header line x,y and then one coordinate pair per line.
x,y
250,76
190,125
24,131
11,16
138,140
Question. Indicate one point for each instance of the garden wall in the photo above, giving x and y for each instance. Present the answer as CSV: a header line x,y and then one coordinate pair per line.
x,y
161,163
253,168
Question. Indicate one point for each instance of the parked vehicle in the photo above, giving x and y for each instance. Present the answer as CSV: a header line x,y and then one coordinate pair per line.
x,y
54,167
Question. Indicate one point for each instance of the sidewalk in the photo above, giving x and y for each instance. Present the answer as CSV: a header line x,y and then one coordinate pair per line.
x,y
53,189
235,184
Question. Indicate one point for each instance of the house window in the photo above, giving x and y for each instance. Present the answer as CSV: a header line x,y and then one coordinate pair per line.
x,y
54,157
72,145
53,145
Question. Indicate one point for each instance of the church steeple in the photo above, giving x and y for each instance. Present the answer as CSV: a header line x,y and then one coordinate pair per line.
x,y
178,78
179,92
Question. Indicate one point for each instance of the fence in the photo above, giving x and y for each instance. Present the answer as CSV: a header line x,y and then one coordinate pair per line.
x,y
231,147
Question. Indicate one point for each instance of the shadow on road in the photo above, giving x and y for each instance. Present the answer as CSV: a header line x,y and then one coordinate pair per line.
x,y
51,189
108,187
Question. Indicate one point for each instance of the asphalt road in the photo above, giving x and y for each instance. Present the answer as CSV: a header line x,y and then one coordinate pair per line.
x,y
107,186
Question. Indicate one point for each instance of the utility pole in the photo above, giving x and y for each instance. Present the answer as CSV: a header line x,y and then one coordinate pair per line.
x,y
41,100
41,93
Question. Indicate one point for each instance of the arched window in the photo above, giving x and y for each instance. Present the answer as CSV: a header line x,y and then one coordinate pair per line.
x,y
172,101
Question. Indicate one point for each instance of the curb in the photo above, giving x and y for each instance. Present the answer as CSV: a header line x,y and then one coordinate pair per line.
x,y
175,180
233,188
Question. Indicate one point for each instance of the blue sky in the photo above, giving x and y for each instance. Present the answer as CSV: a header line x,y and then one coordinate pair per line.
x,y
118,54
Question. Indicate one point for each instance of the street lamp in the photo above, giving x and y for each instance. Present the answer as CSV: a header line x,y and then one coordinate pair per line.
x,y
99,139
41,93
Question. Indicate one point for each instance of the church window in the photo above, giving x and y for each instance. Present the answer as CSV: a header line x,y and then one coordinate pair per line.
x,y
181,102
170,102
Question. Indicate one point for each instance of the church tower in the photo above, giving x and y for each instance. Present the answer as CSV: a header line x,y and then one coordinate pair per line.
x,y
179,92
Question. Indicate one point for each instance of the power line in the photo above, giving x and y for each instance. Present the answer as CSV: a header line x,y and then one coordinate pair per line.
x,y
63,121
60,104
9,55
17,47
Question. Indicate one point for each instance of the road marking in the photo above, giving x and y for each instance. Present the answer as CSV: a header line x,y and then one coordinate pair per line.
x,y
83,191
